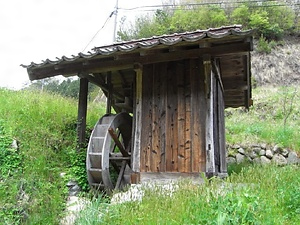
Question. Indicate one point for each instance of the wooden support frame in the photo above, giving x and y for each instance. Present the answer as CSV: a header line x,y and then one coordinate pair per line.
x,y
114,136
82,111
210,92
137,119
109,94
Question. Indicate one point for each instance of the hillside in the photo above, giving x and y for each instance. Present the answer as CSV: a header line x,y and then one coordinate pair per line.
x,y
280,67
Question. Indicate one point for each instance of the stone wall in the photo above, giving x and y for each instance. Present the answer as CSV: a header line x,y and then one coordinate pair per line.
x,y
261,154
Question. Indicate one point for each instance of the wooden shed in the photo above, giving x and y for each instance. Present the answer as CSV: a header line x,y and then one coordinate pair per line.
x,y
168,95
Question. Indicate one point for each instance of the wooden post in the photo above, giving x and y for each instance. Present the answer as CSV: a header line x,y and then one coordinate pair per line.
x,y
210,83
221,128
110,94
82,110
137,119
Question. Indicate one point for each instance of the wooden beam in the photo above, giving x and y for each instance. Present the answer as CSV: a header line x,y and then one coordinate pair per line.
x,y
114,136
210,82
101,64
103,86
109,93
121,173
138,119
82,111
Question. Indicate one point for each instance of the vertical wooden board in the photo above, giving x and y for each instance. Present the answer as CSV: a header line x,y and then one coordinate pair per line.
x,y
195,117
221,126
162,117
182,117
215,123
187,147
209,134
171,120
155,119
201,128
146,131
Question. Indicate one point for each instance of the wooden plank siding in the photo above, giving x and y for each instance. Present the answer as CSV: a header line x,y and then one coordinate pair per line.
x,y
173,117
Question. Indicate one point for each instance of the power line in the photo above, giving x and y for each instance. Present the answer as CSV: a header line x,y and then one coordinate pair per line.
x,y
174,7
111,14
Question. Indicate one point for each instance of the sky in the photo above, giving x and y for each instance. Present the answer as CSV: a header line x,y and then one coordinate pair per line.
x,y
34,30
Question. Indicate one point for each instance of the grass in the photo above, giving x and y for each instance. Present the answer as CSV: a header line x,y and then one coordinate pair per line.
x,y
264,122
45,127
255,195
32,191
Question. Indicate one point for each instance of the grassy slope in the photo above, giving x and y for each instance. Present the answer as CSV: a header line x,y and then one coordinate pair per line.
x,y
44,125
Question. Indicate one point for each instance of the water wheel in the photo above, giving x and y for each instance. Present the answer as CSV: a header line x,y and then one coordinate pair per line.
x,y
108,154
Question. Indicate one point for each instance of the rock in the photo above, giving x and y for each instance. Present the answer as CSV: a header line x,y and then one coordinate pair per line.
x,y
279,160
14,144
71,183
277,149
256,150
240,158
235,146
269,154
264,160
74,188
255,146
263,146
285,152
252,155
293,158
257,160
231,160
62,174
242,151
262,152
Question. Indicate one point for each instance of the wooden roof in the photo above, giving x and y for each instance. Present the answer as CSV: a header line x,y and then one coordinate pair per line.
x,y
230,45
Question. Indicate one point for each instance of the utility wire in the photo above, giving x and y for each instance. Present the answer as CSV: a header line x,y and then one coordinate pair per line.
x,y
111,14
203,4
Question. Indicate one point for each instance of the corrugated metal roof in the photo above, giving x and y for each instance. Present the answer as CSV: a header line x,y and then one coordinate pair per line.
x,y
147,43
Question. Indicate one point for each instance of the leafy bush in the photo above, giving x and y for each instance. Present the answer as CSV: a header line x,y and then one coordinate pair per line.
x,y
268,19
264,46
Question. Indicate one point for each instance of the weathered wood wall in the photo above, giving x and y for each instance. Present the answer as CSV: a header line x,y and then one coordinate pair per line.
x,y
173,117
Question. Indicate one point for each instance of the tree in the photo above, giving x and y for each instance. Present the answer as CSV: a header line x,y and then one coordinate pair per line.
x,y
267,18
67,88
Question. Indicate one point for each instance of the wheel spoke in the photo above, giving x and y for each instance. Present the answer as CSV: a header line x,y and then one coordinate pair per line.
x,y
114,136
122,170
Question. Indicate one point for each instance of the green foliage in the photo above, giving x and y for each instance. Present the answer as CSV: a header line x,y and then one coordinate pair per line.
x,y
45,127
78,168
255,195
265,46
166,22
67,88
269,19
10,159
